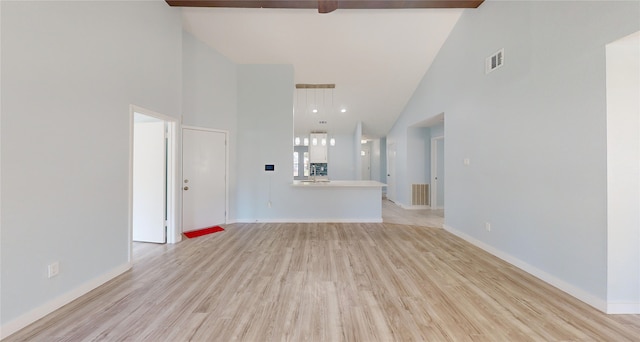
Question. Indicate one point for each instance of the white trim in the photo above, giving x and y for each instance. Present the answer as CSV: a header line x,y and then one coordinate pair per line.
x,y
205,129
130,188
623,308
414,207
58,302
174,227
149,112
226,164
401,205
311,220
570,289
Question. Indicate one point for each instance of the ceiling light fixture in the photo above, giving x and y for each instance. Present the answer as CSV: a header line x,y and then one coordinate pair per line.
x,y
343,110
332,142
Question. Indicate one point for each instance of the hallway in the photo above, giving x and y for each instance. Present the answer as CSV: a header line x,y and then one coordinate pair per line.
x,y
392,213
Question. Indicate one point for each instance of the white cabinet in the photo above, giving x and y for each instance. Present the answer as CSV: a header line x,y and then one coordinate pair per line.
x,y
318,151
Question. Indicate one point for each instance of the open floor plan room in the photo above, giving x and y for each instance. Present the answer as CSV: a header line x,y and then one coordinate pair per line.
x,y
326,282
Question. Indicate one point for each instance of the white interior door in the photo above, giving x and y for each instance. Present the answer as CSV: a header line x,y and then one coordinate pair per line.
x,y
204,179
149,182
391,172
437,173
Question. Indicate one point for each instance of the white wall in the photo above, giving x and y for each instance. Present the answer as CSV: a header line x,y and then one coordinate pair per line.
x,y
209,99
70,70
357,138
623,174
209,86
380,170
436,130
265,135
376,169
341,166
418,156
534,131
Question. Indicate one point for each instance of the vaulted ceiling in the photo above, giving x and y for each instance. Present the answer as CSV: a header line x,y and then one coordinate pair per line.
x,y
375,57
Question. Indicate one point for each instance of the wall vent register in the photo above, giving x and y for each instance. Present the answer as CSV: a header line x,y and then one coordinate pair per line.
x,y
494,61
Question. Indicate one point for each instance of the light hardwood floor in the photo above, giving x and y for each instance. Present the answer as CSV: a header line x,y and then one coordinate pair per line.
x,y
327,282
392,213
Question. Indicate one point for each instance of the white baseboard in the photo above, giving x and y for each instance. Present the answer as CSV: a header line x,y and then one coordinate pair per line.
x,y
401,205
623,308
58,302
312,220
580,294
415,207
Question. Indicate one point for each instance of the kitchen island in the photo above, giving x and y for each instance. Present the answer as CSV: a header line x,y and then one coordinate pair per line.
x,y
338,200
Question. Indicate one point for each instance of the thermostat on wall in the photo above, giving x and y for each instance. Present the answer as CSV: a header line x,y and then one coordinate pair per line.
x,y
269,167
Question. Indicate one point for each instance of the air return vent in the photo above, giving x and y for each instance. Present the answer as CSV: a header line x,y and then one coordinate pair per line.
x,y
419,194
494,61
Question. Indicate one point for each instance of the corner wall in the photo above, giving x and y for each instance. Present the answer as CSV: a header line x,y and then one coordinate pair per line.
x,y
70,71
623,175
209,99
265,135
534,131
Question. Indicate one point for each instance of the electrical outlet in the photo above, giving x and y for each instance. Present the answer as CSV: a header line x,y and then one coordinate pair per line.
x,y
487,226
466,161
53,269
269,204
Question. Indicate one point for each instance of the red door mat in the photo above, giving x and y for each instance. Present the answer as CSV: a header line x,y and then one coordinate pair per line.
x,y
204,231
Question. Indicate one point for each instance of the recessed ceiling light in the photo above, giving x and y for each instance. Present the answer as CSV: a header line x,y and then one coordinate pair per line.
x,y
343,110
315,110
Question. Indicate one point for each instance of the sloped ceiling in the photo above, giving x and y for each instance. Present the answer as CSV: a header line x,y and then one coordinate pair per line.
x,y
375,58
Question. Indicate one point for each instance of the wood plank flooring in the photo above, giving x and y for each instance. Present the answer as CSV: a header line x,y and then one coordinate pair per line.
x,y
326,282
392,213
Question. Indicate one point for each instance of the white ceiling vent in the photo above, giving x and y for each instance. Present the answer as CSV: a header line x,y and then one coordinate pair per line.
x,y
494,61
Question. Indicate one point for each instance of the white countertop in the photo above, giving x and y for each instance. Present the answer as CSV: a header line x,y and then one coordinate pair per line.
x,y
339,184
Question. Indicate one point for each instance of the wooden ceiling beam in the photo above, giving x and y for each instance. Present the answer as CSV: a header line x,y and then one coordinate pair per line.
x,y
315,86
245,3
398,4
327,6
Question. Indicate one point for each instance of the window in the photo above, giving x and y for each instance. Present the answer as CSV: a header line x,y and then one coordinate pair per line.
x,y
295,164
306,164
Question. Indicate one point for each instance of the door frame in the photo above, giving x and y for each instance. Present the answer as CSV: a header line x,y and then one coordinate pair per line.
x,y
172,174
226,168
434,169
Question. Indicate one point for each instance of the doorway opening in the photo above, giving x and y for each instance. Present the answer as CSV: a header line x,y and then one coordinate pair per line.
x,y
623,175
152,172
